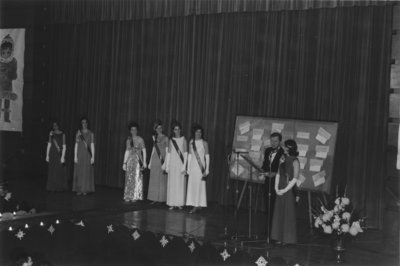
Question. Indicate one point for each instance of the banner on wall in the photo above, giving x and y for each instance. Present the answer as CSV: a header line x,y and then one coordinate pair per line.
x,y
12,48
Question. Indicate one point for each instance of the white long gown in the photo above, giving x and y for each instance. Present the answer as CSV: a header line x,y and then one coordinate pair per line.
x,y
196,191
176,180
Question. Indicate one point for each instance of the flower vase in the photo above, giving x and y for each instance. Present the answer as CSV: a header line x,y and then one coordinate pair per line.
x,y
338,248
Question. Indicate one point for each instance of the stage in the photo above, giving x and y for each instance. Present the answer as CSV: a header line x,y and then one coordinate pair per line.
x,y
212,230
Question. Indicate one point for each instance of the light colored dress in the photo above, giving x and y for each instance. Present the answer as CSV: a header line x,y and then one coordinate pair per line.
x,y
158,178
133,174
196,190
83,181
176,187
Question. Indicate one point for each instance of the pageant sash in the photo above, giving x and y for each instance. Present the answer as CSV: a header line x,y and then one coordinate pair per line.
x,y
139,157
178,150
203,170
137,152
53,139
158,150
84,141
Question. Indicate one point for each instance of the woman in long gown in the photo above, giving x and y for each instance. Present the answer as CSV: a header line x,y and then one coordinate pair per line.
x,y
198,170
158,179
134,163
284,219
176,168
83,181
55,156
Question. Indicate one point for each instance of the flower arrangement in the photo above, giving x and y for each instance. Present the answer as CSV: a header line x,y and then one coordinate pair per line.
x,y
339,220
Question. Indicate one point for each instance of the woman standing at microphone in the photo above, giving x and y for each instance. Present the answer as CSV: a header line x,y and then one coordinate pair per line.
x,y
284,229
55,156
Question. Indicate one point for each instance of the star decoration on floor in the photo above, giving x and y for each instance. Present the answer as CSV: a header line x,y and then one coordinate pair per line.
x,y
225,255
80,223
136,235
110,228
192,247
164,241
51,229
20,234
261,261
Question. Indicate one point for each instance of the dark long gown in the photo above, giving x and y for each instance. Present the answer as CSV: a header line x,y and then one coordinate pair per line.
x,y
284,219
158,179
57,173
83,181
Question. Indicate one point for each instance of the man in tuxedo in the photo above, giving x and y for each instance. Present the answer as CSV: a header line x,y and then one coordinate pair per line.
x,y
271,161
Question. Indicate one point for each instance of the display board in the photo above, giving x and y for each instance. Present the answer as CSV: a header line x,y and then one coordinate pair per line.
x,y
315,140
11,78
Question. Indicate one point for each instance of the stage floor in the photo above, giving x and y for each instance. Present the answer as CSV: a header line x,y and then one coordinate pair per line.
x,y
216,225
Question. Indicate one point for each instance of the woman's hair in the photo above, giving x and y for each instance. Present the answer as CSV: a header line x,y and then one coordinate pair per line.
x,y
133,124
292,147
173,125
156,124
80,122
196,127
54,121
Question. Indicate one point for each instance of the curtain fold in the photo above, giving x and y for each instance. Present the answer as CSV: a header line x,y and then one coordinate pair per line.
x,y
325,64
78,11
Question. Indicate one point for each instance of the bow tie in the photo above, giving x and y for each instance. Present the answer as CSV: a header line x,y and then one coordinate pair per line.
x,y
275,150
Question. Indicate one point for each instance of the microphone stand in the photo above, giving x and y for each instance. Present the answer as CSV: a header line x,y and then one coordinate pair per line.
x,y
270,176
269,202
237,193
225,235
269,208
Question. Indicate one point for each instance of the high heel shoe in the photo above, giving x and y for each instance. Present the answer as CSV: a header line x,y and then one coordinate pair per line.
x,y
194,210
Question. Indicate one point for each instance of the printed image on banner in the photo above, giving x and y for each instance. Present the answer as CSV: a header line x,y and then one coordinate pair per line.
x,y
12,48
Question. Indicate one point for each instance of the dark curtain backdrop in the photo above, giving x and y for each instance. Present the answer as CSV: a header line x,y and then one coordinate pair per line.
x,y
326,64
80,11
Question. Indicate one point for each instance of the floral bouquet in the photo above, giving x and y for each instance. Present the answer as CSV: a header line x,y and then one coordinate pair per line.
x,y
338,220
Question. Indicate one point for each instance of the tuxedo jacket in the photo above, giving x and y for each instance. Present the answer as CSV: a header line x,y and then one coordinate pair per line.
x,y
273,166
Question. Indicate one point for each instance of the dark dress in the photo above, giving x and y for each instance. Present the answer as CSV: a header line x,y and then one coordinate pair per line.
x,y
284,219
57,173
158,179
83,181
